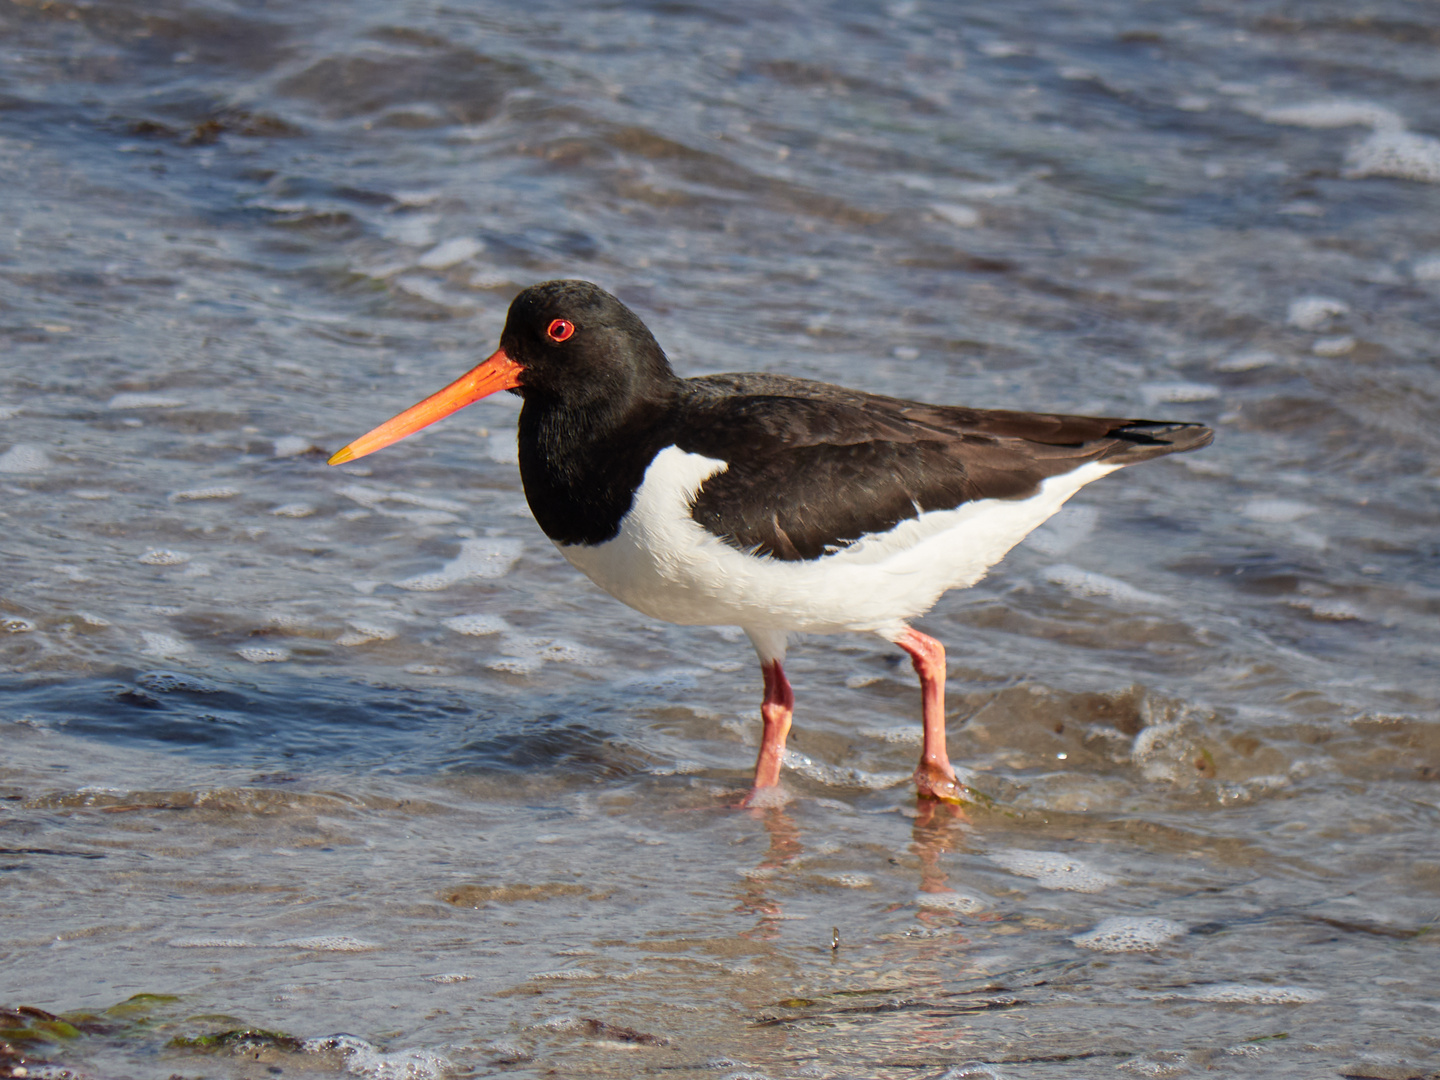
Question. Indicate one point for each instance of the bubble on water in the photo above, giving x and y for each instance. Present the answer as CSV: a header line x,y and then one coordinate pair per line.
x,y
24,458
257,654
163,557
1333,346
292,446
1427,269
364,1059
951,900
1334,114
1255,994
555,650
478,625
1247,360
198,494
144,401
768,798
447,977
210,943
900,735
566,975
957,214
972,1070
361,633
1400,154
1085,583
16,625
850,880
1053,870
293,510
328,943
1160,393
169,682
162,646
841,776
1130,935
1158,1063
449,252
1276,511
1329,610
483,558
1313,312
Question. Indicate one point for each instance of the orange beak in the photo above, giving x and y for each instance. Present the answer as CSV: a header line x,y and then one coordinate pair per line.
x,y
498,372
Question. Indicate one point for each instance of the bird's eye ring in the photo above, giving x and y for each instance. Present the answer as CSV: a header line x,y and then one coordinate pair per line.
x,y
560,330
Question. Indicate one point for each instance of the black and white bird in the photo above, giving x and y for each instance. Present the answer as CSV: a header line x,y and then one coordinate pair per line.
x,y
775,504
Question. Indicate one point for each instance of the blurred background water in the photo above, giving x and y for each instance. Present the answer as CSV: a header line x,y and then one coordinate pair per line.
x,y
354,751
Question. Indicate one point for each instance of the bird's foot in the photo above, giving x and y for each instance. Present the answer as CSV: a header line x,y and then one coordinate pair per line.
x,y
940,782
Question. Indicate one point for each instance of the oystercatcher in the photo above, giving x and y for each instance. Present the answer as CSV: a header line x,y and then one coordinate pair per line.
x,y
775,504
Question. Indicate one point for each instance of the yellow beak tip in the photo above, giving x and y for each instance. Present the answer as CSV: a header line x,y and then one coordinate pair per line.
x,y
340,457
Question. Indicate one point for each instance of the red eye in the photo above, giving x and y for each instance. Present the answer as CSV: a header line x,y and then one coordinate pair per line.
x,y
560,330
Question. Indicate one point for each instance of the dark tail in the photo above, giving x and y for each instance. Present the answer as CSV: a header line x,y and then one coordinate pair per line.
x,y
1141,440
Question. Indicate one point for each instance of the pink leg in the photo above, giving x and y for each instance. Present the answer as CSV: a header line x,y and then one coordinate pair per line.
x,y
775,710
934,776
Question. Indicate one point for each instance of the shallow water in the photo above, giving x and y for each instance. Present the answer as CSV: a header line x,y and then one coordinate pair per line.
x,y
325,751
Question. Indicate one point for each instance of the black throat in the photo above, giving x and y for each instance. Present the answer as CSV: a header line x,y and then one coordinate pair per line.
x,y
581,465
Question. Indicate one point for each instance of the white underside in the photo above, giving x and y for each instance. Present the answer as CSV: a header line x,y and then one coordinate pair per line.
x,y
665,564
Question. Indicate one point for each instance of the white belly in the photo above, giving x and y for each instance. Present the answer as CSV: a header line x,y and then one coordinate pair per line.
x,y
665,564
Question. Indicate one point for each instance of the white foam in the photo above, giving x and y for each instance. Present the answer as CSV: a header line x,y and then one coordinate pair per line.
x,y
1053,870
447,977
328,943
1130,935
364,1059
482,558
1314,312
1401,154
1335,113
16,625
1276,511
429,669
478,625
1086,583
850,880
361,633
1333,346
1159,393
1248,360
293,510
449,252
263,654
901,735
838,776
1256,994
161,646
957,214
199,494
163,557
24,458
950,900
210,943
566,975
1329,610
292,446
144,401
